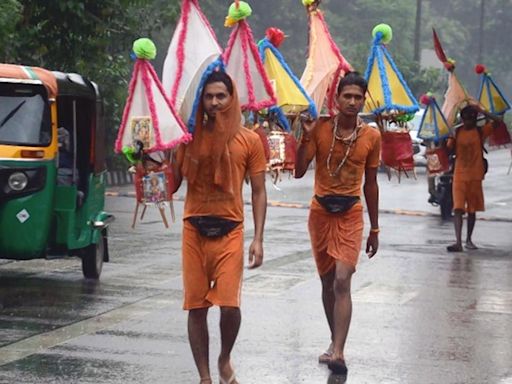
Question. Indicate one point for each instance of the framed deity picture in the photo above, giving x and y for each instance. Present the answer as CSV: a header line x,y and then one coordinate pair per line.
x,y
142,130
277,148
155,190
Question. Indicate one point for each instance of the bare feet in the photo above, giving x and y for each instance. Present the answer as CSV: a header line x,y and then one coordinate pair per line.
x,y
454,248
226,372
325,357
470,245
206,381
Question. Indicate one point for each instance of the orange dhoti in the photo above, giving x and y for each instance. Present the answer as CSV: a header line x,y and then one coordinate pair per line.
x,y
335,236
468,196
212,268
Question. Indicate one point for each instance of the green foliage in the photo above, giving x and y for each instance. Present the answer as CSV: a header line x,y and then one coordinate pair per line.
x,y
10,14
93,38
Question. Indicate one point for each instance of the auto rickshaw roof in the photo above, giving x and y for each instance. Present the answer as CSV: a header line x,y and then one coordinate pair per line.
x,y
21,72
73,84
56,83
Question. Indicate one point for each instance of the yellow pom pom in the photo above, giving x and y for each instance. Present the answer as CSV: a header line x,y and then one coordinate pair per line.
x,y
229,22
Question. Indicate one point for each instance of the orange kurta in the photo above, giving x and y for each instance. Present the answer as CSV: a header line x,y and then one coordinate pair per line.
x,y
365,154
469,169
468,149
339,236
204,198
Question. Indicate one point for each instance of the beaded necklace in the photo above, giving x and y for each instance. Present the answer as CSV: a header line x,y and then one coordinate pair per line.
x,y
347,141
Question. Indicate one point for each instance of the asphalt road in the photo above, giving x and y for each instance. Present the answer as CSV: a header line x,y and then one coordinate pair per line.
x,y
421,315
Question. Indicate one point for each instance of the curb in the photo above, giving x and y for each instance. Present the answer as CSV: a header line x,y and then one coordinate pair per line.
x,y
281,204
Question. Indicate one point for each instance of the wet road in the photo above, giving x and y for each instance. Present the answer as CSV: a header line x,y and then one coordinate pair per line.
x,y
421,315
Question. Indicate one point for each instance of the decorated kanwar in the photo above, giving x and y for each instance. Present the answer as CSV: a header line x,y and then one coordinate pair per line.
x,y
391,102
292,99
149,128
325,64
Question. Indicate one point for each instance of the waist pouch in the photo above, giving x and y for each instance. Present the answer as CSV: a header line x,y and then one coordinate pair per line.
x,y
212,226
337,203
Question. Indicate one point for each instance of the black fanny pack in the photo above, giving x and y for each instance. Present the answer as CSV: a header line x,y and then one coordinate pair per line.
x,y
212,226
337,203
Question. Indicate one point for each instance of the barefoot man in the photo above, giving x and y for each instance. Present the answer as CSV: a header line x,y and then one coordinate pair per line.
x,y
221,154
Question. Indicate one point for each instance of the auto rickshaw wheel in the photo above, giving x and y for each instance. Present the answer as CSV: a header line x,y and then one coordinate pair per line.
x,y
92,260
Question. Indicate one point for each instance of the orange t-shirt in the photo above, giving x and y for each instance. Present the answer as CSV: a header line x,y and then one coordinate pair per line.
x,y
468,150
204,198
365,153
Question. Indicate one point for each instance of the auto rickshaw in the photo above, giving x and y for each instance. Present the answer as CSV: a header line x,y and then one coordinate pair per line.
x,y
52,167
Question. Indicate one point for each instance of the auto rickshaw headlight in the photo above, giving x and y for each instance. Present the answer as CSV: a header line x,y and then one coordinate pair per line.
x,y
17,181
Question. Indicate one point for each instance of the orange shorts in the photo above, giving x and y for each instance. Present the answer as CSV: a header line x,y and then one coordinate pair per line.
x,y
468,196
212,268
335,236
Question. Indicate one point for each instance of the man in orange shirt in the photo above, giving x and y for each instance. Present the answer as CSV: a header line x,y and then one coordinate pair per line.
x,y
469,172
221,154
346,151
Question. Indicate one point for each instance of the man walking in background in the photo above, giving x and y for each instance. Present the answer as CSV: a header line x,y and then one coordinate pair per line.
x,y
469,171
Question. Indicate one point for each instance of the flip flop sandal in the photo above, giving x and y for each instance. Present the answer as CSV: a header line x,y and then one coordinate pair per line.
x,y
338,367
454,248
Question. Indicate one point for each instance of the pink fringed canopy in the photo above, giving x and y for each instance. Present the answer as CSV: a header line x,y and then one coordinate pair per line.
x,y
193,47
243,64
147,102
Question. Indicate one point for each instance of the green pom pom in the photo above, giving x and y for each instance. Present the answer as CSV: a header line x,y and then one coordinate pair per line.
x,y
243,11
144,48
387,32
405,117
129,152
307,3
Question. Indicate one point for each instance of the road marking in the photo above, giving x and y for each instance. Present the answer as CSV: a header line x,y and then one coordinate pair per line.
x,y
495,302
41,342
272,284
282,204
383,294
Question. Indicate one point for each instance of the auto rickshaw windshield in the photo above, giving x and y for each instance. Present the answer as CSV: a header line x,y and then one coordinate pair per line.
x,y
24,115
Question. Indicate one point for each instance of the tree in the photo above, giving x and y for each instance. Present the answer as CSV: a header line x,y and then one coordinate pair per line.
x,y
10,14
92,38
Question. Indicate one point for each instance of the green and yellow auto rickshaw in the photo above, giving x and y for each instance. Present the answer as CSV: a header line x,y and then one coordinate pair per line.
x,y
52,167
